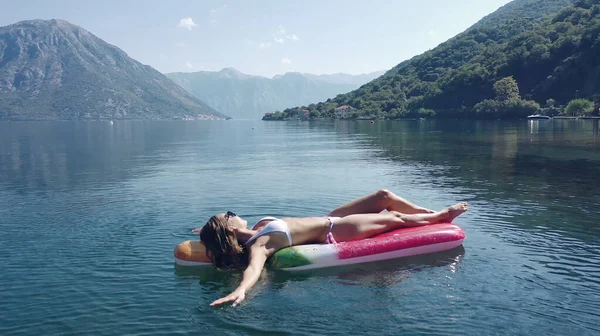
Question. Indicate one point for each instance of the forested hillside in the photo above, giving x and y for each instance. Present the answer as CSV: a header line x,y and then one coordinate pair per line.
x,y
526,54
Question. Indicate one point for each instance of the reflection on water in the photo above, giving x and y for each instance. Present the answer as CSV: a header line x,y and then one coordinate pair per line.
x,y
59,155
505,161
90,213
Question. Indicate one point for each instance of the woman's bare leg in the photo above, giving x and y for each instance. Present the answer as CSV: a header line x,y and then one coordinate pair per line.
x,y
376,202
361,226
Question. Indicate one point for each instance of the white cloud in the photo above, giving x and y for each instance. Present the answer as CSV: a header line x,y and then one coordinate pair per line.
x,y
279,37
186,22
189,65
180,44
218,9
432,33
286,61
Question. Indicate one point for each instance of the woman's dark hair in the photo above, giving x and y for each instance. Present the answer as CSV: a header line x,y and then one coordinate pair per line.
x,y
222,246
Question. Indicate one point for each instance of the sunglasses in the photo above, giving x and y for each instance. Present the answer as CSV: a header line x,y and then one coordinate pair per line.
x,y
229,214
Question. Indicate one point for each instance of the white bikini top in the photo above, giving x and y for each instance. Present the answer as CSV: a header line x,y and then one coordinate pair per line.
x,y
275,225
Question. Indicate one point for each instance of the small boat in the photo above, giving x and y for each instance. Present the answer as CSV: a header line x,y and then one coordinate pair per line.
x,y
538,116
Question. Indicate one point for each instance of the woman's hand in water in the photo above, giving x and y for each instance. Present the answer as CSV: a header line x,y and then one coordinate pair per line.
x,y
237,296
197,230
256,262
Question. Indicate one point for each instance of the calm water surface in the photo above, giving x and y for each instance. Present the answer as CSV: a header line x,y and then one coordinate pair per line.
x,y
90,213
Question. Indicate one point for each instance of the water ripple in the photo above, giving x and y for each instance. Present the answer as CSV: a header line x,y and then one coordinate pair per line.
x,y
89,226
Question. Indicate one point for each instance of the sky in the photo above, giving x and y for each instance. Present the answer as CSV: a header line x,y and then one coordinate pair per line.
x,y
264,37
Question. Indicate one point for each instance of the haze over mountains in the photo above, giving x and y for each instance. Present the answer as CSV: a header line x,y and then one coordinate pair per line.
x,y
243,96
51,69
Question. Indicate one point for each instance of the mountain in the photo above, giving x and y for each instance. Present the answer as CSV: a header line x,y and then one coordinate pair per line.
x,y
527,53
533,11
54,70
342,78
245,96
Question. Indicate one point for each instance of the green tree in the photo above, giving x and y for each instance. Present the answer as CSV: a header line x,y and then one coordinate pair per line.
x,y
520,108
506,89
423,112
550,109
580,107
487,108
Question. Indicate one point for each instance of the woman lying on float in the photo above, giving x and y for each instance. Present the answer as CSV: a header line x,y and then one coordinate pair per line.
x,y
230,244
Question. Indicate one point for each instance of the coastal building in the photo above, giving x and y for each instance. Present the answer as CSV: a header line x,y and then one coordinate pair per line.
x,y
343,111
303,114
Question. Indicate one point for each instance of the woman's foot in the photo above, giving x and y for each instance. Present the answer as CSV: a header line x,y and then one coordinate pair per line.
x,y
454,211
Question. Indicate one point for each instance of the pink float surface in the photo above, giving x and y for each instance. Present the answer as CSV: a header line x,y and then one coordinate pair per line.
x,y
391,245
402,239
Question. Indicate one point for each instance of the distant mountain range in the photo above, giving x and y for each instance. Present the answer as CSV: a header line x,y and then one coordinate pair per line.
x,y
243,96
51,69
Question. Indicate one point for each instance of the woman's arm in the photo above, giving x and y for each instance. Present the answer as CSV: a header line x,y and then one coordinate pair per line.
x,y
258,257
